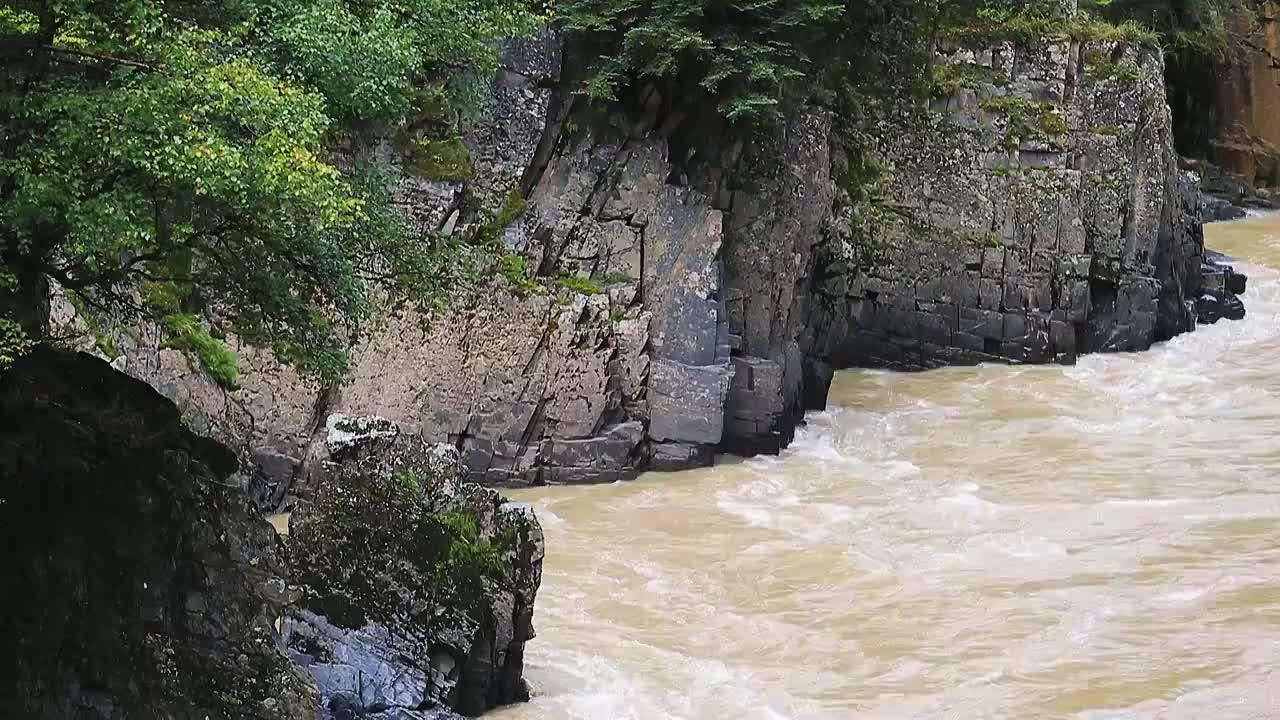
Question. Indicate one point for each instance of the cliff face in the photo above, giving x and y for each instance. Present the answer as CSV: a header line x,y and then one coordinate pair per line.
x,y
1247,143
142,584
704,285
1066,227
138,585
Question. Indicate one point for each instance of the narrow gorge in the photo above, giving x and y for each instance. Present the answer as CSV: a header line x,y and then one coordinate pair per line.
x,y
969,419
703,291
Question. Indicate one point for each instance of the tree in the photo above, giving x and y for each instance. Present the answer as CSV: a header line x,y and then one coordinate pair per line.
x,y
179,158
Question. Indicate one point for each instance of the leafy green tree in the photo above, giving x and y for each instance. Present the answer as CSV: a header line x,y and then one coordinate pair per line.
x,y
757,57
179,158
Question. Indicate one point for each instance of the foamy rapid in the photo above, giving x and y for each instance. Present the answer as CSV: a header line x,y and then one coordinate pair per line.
x,y
1099,542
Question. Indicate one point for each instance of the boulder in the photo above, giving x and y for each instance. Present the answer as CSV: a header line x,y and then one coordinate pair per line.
x,y
417,588
140,585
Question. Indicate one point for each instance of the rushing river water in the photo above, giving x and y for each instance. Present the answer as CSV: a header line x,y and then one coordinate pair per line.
x,y
1093,542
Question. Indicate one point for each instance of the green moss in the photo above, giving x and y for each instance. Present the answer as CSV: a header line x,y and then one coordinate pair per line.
x,y
950,78
1052,123
1026,119
512,208
1099,65
186,333
512,267
578,284
447,159
1111,130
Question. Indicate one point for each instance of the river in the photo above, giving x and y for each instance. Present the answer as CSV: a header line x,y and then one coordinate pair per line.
x,y
1093,542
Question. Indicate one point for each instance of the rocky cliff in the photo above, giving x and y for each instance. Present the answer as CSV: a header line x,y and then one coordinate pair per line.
x,y
1247,141
143,585
139,585
417,589
675,289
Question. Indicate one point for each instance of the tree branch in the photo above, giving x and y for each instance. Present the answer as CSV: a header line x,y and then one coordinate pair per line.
x,y
96,56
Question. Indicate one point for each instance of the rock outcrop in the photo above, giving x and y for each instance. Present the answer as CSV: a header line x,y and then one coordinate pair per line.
x,y
1067,225
138,583
674,290
417,589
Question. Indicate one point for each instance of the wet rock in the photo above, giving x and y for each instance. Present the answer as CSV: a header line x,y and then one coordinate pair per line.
x,y
418,588
1220,287
147,593
1216,209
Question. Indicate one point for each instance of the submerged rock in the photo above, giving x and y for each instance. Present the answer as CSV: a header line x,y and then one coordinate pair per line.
x,y
418,588
139,585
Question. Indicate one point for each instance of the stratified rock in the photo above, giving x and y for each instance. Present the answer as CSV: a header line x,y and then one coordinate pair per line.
x,y
418,589
698,291
139,585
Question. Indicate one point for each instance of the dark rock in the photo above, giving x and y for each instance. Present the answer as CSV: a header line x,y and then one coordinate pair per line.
x,y
1220,284
1217,209
272,476
418,588
152,591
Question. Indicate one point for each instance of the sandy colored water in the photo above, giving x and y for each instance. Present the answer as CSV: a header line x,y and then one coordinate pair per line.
x,y
1094,542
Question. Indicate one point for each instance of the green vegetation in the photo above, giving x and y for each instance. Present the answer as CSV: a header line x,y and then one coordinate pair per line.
x,y
447,159
512,268
376,547
1101,66
1026,119
143,132
948,79
186,333
578,284
760,60
14,343
756,57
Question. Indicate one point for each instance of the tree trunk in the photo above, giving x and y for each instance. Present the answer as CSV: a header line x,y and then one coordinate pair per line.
x,y
27,301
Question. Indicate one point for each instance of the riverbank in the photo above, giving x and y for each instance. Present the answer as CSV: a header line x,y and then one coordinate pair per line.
x,y
1098,541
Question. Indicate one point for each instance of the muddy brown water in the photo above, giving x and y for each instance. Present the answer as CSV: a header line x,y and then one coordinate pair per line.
x,y
1094,542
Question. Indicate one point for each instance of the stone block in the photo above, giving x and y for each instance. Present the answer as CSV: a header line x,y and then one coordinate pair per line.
x,y
1015,326
686,403
987,324
990,294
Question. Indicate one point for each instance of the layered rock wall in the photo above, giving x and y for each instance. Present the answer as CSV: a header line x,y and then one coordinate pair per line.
x,y
1247,143
688,290
1046,219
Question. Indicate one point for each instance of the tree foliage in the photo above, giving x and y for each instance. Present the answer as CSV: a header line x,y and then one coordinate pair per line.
x,y
192,144
757,56
762,58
